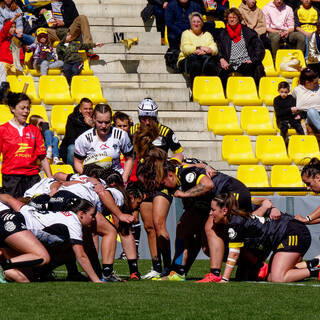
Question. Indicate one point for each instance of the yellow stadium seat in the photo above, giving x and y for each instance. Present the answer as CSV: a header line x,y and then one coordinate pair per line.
x,y
86,71
294,83
223,120
34,72
40,111
166,41
87,86
219,24
256,121
209,91
238,150
302,148
5,114
262,3
287,176
291,131
242,91
271,150
59,117
17,85
254,176
281,53
234,3
65,168
54,90
269,65
268,89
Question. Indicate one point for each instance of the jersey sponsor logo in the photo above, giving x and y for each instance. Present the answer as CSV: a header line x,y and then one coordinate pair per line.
x,y
175,139
22,148
66,213
9,226
232,233
190,177
104,146
57,199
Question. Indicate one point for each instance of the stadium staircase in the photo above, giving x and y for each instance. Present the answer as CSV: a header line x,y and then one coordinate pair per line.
x,y
127,77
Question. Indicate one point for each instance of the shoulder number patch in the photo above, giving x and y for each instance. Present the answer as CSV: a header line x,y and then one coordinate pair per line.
x,y
232,233
190,177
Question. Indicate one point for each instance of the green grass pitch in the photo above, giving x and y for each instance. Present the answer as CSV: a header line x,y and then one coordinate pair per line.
x,y
148,299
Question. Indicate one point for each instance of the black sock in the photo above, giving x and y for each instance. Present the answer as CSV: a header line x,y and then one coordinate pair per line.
x,y
136,231
7,264
72,267
178,269
312,266
216,272
133,265
156,265
107,269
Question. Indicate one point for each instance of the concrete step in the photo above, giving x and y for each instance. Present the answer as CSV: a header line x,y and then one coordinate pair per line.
x,y
132,106
122,94
117,21
186,121
204,150
142,77
84,2
111,28
119,51
144,85
110,10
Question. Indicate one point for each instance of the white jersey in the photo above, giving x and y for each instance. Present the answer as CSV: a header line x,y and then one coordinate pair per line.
x,y
117,196
37,221
84,191
3,207
117,142
42,187
84,178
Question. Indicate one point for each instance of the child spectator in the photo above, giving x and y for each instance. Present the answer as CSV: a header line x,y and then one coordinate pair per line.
x,y
11,54
122,120
51,142
44,57
284,105
67,51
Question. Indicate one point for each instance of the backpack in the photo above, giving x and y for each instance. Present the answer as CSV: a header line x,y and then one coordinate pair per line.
x,y
171,58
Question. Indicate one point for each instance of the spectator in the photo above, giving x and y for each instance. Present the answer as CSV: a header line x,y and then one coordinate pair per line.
x,y
197,50
280,27
305,20
8,10
240,49
122,120
21,145
253,18
218,13
51,142
65,15
159,12
79,121
307,95
176,19
283,106
11,56
67,51
44,57
314,50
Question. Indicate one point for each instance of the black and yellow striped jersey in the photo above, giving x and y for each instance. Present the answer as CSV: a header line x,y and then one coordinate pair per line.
x,y
166,139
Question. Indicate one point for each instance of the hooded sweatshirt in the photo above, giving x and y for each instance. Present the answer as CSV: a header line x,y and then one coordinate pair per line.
x,y
253,18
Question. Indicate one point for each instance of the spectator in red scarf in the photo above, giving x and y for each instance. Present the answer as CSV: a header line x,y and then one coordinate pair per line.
x,y
240,49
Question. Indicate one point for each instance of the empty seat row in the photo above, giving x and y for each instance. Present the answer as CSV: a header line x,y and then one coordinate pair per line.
x,y
55,89
283,176
223,120
269,150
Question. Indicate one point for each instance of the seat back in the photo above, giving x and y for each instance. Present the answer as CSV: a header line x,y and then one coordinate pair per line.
x,y
40,111
223,120
65,168
286,176
54,90
268,89
269,65
59,117
282,53
256,120
302,148
5,114
87,87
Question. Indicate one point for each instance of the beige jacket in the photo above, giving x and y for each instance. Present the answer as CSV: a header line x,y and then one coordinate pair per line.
x,y
253,18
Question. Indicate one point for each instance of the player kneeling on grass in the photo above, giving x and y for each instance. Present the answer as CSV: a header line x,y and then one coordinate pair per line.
x,y
287,238
61,232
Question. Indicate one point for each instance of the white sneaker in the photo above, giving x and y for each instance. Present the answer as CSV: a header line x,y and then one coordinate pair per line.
x,y
56,160
49,152
151,274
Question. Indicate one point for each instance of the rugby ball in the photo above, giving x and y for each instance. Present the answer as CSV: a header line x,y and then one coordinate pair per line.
x,y
100,159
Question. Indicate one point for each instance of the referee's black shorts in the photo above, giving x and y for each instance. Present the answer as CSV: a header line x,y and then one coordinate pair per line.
x,y
16,185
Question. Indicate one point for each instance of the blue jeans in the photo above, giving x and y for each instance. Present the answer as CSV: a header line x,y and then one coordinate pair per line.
x,y
27,39
51,140
70,155
313,117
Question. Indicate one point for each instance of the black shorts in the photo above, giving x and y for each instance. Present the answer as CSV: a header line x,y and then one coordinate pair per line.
x,y
60,199
11,222
297,238
17,185
163,193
